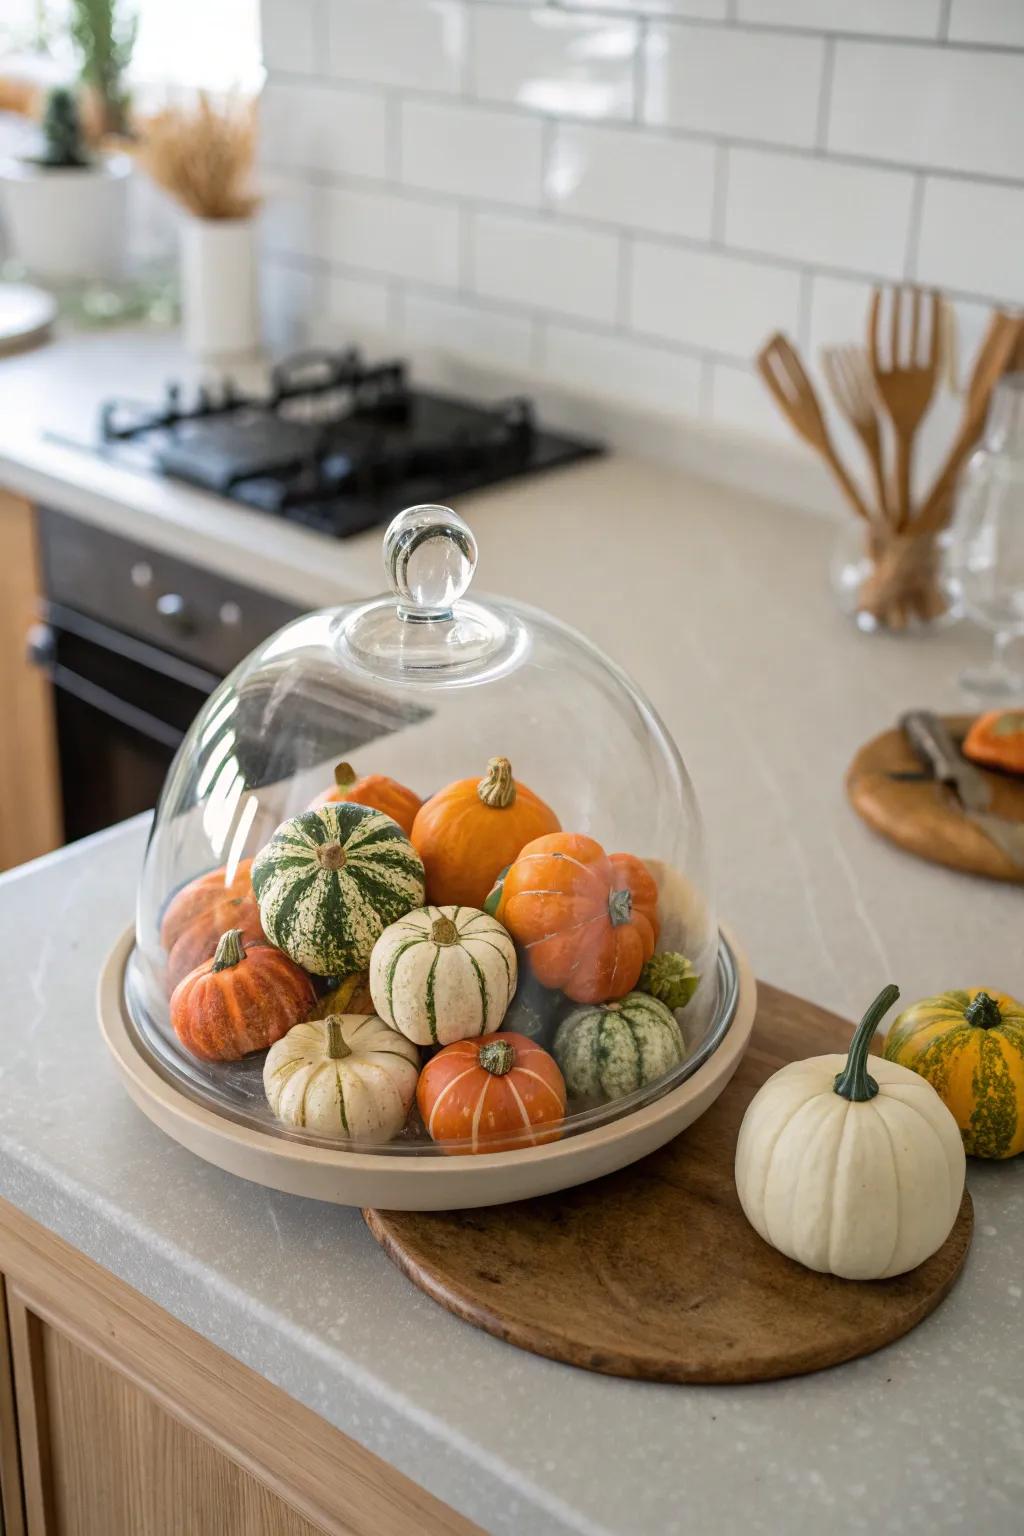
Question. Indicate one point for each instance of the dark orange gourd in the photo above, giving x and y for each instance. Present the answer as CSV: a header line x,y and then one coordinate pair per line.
x,y
491,1094
587,920
996,740
240,1001
468,832
198,940
375,790
199,895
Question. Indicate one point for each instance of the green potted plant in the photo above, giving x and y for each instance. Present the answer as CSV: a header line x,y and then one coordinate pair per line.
x,y
64,208
104,35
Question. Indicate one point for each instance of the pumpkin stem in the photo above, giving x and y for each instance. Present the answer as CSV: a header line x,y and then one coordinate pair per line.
x,y
620,907
983,1011
497,1057
331,856
230,950
497,788
344,776
337,1050
444,931
854,1082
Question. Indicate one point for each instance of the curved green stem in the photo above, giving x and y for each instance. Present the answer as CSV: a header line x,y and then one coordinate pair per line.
x,y
337,1050
983,1012
230,950
854,1082
497,1057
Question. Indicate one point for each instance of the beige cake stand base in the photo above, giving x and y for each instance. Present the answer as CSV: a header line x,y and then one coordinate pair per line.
x,y
401,1182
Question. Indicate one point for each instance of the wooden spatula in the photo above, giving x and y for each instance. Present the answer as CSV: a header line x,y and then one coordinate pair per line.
x,y
849,378
786,378
1003,341
905,372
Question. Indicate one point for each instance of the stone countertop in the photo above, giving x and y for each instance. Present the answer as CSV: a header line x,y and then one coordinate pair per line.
x,y
925,1436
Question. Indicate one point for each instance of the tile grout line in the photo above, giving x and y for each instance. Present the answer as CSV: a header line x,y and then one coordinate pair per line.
x,y
720,195
945,16
912,253
825,97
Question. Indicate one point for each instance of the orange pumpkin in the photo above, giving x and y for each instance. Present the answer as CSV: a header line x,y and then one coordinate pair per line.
x,y
375,790
996,739
197,941
467,833
587,920
492,1093
199,896
240,1001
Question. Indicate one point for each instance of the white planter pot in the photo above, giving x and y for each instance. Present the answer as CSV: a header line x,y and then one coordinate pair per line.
x,y
64,225
219,302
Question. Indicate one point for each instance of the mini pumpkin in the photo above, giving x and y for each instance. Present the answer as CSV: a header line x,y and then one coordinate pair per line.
x,y
443,973
852,1173
492,1094
375,790
587,920
610,1049
996,740
468,832
330,881
970,1046
240,1001
348,1075
196,899
198,940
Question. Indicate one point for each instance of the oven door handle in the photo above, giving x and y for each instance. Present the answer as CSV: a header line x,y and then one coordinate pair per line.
x,y
129,715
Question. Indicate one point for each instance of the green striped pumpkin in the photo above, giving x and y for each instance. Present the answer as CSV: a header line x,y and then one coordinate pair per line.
x,y
611,1049
969,1045
443,974
331,880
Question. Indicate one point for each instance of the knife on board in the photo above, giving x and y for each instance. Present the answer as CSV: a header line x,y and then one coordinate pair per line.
x,y
935,747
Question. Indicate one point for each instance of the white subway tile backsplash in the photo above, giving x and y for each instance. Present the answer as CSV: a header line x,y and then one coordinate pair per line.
x,y
708,299
972,238
987,21
819,211
400,235
328,128
555,62
700,10
472,330
546,265
730,81
881,18
288,30
472,151
619,367
629,177
416,43
289,301
740,400
948,108
365,301
292,220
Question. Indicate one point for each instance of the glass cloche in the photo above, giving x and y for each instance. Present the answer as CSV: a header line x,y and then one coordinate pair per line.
x,y
427,876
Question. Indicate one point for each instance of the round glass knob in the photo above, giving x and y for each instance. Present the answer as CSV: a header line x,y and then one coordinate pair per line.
x,y
430,557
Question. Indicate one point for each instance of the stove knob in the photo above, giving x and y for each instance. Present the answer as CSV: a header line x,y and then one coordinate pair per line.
x,y
230,615
142,574
172,606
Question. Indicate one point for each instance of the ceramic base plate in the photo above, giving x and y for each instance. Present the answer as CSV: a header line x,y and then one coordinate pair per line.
x,y
428,1183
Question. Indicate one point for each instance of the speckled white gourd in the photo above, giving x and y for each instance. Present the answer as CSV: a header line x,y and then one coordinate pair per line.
x,y
364,1095
442,974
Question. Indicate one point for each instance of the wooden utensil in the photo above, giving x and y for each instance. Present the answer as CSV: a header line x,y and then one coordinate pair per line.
x,y
786,378
1003,339
655,1272
849,377
907,378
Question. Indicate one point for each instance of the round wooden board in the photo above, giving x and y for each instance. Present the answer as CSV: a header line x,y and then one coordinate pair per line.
x,y
924,817
654,1272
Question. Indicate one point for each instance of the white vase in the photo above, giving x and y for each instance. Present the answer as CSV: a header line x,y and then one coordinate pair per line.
x,y
219,301
65,224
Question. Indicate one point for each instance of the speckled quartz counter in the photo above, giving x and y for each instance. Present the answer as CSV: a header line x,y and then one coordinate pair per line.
x,y
926,1436
718,603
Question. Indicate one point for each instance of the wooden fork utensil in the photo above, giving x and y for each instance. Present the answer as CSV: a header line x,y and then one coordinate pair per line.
x,y
905,372
849,378
793,392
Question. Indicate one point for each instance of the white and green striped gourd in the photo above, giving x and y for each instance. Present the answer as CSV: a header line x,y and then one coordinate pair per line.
x,y
331,880
348,1075
443,974
610,1049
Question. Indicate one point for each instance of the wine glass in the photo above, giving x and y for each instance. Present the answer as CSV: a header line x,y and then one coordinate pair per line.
x,y
988,540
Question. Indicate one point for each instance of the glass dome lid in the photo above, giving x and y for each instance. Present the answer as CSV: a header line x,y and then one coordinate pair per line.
x,y
427,876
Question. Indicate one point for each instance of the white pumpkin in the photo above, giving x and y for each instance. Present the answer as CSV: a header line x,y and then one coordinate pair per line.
x,y
348,1075
441,974
853,1174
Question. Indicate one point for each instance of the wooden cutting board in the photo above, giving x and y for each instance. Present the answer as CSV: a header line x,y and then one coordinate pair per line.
x,y
654,1272
924,817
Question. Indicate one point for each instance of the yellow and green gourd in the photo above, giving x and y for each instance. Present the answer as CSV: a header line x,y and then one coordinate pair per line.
x,y
970,1046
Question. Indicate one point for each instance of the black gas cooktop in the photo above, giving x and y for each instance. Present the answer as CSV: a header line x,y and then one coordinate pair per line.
x,y
336,443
